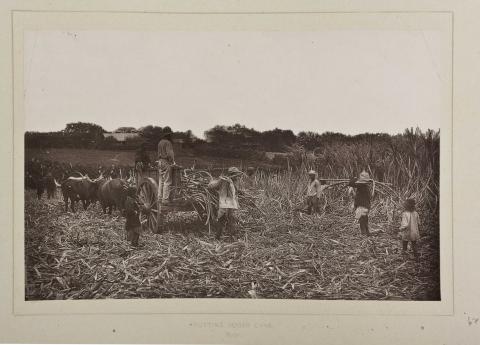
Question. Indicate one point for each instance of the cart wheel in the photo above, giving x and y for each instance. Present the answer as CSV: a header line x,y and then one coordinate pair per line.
x,y
147,198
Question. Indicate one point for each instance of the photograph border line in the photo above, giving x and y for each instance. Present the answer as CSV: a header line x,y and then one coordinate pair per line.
x,y
452,16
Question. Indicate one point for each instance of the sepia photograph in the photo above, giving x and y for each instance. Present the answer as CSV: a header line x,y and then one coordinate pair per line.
x,y
238,164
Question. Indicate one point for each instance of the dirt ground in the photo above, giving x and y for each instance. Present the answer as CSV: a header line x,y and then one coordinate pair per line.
x,y
85,256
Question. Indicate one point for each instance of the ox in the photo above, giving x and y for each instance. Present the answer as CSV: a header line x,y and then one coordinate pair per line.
x,y
112,193
79,188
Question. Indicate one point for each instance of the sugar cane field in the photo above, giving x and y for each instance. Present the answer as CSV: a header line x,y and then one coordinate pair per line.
x,y
276,250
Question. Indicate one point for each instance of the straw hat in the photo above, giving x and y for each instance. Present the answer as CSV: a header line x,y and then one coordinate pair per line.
x,y
364,177
312,172
233,171
166,132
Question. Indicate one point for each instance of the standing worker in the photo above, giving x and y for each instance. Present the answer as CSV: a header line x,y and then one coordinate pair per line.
x,y
166,160
314,193
227,188
362,200
131,212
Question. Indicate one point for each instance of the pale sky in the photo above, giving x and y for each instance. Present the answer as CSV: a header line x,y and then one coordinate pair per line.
x,y
343,81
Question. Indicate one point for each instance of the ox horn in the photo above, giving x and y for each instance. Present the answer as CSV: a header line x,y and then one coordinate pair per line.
x,y
56,183
78,172
99,178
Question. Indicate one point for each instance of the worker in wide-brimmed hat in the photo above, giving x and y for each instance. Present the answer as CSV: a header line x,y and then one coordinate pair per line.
x,y
362,195
227,189
166,159
314,193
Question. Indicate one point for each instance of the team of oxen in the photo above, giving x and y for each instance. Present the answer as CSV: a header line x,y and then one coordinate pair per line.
x,y
110,193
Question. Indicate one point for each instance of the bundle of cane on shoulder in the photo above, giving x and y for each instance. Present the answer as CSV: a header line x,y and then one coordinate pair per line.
x,y
196,188
362,189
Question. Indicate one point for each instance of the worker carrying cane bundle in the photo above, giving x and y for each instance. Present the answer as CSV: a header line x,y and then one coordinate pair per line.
x,y
227,189
362,197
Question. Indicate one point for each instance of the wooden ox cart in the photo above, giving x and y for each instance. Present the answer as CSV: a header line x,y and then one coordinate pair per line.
x,y
152,212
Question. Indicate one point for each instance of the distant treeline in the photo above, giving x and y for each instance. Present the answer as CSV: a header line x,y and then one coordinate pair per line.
x,y
91,136
217,139
235,141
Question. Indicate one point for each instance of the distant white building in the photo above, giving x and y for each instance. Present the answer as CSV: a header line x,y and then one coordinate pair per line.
x,y
121,136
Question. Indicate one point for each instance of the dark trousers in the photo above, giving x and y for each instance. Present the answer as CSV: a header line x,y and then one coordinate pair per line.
x,y
413,245
133,234
364,225
225,222
312,205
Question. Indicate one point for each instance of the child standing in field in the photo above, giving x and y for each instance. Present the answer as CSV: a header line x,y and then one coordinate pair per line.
x,y
132,224
409,227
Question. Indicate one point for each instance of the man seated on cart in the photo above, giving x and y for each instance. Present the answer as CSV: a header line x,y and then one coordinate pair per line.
x,y
166,160
227,188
